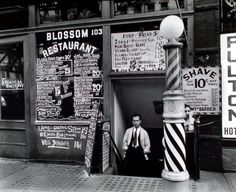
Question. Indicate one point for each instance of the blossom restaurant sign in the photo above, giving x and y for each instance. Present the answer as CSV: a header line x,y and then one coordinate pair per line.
x,y
228,65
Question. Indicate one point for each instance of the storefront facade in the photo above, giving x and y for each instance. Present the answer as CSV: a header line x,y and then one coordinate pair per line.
x,y
67,66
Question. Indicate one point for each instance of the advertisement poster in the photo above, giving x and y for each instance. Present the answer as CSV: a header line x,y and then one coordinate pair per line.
x,y
228,65
201,89
137,51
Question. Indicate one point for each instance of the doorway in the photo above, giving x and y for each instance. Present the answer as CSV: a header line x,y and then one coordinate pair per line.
x,y
138,96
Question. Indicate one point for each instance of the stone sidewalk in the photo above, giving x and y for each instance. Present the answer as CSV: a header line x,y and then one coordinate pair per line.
x,y
24,176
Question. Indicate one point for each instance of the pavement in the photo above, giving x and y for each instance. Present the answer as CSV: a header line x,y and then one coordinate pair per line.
x,y
26,176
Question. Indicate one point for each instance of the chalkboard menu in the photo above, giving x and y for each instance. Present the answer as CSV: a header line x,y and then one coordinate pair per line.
x,y
137,51
90,142
69,90
70,138
106,127
69,74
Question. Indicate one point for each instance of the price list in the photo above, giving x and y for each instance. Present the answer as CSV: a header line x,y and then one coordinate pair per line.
x,y
87,85
63,136
54,66
68,89
90,141
137,51
201,89
55,99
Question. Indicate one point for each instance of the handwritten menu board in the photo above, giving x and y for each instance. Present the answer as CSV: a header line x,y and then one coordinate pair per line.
x,y
69,83
63,136
90,141
106,127
69,74
137,51
71,139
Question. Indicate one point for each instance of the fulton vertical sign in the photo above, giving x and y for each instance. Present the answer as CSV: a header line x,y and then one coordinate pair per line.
x,y
228,64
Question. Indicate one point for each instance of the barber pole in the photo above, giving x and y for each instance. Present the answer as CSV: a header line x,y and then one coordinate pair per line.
x,y
174,132
175,147
173,71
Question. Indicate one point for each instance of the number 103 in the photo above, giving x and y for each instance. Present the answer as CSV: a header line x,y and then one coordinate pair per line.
x,y
96,32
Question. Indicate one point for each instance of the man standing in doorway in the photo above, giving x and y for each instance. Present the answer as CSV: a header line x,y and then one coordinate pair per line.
x,y
136,146
189,119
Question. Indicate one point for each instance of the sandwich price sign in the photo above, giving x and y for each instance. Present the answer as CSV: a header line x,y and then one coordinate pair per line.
x,y
228,65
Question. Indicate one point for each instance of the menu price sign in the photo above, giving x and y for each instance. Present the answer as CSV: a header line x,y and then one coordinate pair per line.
x,y
90,141
137,51
69,74
54,66
106,127
55,99
201,89
64,137
87,64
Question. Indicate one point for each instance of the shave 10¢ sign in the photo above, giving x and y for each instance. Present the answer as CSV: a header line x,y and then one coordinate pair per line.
x,y
201,89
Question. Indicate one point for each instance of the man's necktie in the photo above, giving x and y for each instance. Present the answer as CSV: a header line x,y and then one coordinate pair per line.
x,y
135,138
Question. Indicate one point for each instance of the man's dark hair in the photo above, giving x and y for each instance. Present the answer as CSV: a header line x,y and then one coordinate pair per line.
x,y
186,105
137,115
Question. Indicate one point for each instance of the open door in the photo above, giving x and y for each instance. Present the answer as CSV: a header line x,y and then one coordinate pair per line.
x,y
14,93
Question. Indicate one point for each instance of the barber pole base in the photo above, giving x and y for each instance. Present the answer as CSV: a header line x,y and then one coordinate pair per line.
x,y
175,176
174,153
174,137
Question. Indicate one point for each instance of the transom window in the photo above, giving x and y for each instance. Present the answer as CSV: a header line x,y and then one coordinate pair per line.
x,y
60,10
143,6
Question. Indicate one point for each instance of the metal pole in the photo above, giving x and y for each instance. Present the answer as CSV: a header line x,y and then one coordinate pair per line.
x,y
196,151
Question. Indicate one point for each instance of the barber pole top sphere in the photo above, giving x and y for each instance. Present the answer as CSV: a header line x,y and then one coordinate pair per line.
x,y
171,27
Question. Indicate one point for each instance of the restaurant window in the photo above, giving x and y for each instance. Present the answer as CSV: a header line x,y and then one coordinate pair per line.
x,y
143,6
12,82
69,74
60,10
13,14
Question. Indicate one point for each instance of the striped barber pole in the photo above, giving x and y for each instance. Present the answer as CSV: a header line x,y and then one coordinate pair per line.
x,y
175,154
174,132
173,71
